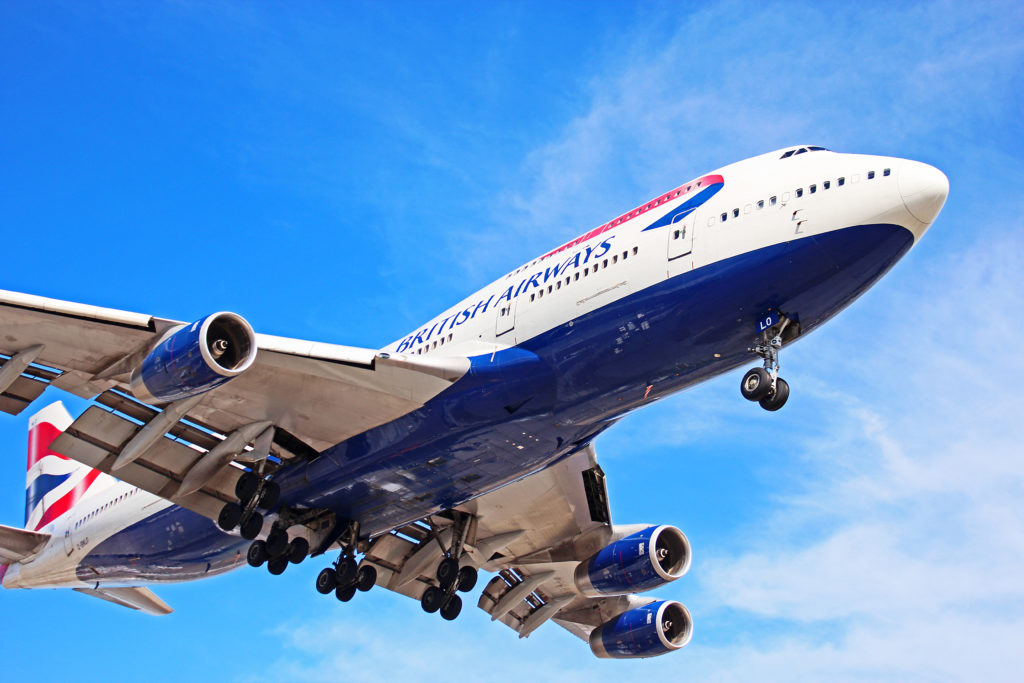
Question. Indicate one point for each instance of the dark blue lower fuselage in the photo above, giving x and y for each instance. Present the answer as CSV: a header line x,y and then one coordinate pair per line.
x,y
520,409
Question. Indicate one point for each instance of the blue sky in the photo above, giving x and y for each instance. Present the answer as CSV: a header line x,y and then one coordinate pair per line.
x,y
342,172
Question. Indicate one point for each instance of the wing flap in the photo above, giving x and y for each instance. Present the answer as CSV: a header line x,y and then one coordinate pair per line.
x,y
98,436
137,598
17,545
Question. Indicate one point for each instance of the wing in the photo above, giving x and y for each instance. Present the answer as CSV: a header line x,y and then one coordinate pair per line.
x,y
533,534
88,350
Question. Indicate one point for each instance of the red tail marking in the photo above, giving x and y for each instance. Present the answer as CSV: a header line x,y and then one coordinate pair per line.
x,y
39,439
68,500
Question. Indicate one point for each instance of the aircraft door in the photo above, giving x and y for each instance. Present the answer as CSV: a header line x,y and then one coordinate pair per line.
x,y
680,235
69,539
506,317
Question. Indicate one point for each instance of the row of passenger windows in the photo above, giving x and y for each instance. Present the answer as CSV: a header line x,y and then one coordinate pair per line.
x,y
608,261
799,192
104,507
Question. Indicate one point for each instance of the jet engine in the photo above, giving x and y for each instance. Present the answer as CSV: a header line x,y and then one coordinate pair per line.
x,y
195,358
638,562
654,629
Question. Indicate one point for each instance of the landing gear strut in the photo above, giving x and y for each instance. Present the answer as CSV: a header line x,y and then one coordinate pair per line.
x,y
764,384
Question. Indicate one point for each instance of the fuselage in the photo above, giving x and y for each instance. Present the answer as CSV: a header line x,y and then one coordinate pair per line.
x,y
652,302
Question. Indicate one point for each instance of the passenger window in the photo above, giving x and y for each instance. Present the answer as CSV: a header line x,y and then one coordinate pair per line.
x,y
871,175
813,189
724,216
760,203
885,172
577,276
799,192
533,297
636,249
540,294
615,258
586,272
568,280
625,255
605,264
735,213
841,182
549,289
827,184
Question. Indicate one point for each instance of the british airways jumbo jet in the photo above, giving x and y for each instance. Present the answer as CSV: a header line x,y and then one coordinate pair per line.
x,y
465,445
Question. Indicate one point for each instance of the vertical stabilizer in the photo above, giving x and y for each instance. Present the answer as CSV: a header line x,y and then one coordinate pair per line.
x,y
53,483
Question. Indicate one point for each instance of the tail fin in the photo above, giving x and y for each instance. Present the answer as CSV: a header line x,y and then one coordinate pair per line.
x,y
53,483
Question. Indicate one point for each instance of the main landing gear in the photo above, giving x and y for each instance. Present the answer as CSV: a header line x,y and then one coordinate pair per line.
x,y
764,384
451,578
253,491
346,576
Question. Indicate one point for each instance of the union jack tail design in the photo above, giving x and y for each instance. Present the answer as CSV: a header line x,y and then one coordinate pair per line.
x,y
53,483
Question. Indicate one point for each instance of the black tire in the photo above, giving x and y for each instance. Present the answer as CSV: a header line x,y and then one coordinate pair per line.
x,y
229,517
777,398
756,384
270,494
297,550
345,593
326,581
467,579
257,554
447,572
347,569
432,599
277,542
451,608
252,525
277,565
366,578
247,486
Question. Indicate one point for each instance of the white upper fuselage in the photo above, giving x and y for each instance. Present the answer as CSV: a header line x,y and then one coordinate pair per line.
x,y
764,200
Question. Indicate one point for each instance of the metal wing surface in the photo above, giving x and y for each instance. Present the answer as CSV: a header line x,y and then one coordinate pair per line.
x,y
314,395
532,534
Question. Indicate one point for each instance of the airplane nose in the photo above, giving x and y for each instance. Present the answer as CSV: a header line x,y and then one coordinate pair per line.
x,y
924,189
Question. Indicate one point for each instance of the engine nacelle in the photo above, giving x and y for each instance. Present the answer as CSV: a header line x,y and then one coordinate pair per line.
x,y
638,562
648,631
195,358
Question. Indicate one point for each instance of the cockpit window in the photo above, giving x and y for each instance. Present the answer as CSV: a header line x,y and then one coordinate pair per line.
x,y
803,150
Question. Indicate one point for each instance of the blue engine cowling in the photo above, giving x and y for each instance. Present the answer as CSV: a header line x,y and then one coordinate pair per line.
x,y
654,629
638,562
195,358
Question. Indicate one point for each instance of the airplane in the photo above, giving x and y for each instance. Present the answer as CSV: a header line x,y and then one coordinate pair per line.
x,y
466,445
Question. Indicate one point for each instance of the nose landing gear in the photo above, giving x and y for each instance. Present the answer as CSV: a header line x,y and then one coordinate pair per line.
x,y
764,384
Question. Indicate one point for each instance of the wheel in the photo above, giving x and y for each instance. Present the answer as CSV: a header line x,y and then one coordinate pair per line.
x,y
467,579
432,599
247,486
326,581
347,569
277,565
345,593
277,542
447,572
366,578
257,554
297,550
451,608
778,398
229,516
756,384
270,494
252,525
